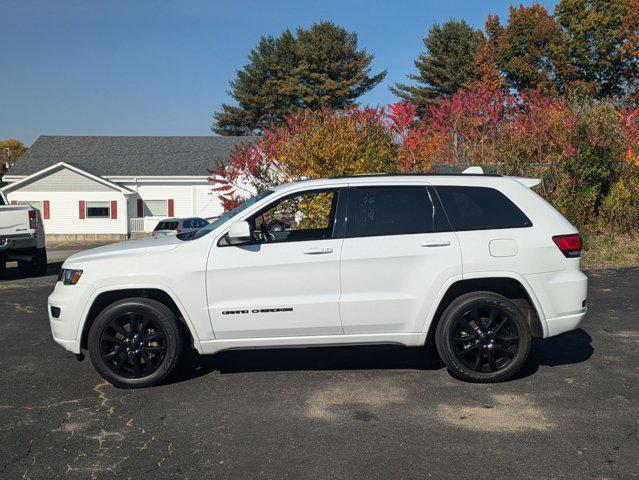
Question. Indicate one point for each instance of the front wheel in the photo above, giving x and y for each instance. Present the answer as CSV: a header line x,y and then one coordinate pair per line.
x,y
483,337
135,342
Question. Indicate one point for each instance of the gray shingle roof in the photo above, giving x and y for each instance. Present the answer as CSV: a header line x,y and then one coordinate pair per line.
x,y
129,156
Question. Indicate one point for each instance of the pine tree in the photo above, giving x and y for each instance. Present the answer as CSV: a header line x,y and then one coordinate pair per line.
x,y
260,88
526,48
319,67
447,64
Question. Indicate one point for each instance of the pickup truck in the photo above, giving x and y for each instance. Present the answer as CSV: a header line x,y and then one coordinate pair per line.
x,y
22,238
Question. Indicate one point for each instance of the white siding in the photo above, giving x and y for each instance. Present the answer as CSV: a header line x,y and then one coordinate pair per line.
x,y
193,199
65,180
65,216
190,199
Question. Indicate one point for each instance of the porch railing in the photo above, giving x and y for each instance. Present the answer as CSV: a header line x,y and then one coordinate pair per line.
x,y
143,224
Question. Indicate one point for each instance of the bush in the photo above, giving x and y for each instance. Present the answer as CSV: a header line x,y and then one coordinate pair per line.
x,y
586,152
620,208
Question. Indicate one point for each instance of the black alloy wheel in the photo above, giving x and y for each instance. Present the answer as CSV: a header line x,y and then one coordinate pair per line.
x,y
483,337
135,342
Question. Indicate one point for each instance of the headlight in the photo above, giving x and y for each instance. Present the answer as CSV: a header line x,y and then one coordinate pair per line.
x,y
69,277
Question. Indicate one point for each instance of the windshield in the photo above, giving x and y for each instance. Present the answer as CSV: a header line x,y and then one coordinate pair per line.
x,y
230,214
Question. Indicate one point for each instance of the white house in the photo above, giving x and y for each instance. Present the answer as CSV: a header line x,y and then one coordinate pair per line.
x,y
112,187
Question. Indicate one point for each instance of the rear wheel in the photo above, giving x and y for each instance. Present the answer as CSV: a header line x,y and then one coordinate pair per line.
x,y
483,337
276,227
41,261
135,342
36,266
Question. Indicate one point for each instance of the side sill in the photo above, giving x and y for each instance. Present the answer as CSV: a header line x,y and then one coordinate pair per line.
x,y
210,347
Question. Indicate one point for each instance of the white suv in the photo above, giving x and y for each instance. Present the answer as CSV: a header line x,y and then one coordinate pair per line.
x,y
480,264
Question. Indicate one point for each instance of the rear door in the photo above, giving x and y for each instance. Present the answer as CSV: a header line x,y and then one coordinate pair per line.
x,y
396,255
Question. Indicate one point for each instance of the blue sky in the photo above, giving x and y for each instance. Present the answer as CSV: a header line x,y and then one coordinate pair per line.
x,y
110,67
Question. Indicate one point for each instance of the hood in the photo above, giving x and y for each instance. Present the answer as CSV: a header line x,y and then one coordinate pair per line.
x,y
132,248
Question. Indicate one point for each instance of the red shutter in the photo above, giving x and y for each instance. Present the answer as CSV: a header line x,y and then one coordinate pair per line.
x,y
47,211
171,207
114,209
13,202
81,205
140,208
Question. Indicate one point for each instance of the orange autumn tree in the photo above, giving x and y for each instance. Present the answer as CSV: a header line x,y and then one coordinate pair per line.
x,y
585,153
326,143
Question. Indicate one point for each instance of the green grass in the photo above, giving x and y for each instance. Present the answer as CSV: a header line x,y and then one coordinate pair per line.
x,y
610,251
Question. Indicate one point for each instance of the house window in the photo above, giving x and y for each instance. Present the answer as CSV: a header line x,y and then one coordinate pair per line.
x,y
98,210
156,208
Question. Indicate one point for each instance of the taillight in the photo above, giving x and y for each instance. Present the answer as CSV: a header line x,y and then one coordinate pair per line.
x,y
570,245
33,220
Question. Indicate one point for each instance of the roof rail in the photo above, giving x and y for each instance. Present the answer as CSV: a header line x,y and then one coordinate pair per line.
x,y
451,174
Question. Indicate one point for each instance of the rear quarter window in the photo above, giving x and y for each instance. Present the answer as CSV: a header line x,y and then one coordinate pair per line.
x,y
480,208
167,226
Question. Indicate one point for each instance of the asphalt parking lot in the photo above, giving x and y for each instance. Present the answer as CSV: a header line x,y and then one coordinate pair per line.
x,y
359,412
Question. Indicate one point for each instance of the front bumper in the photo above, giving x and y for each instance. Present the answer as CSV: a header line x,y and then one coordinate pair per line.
x,y
71,300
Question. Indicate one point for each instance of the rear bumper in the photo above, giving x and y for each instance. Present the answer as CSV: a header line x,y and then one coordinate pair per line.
x,y
562,296
17,243
563,324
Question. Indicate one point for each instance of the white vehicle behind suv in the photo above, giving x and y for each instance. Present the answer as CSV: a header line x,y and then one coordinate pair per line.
x,y
22,238
481,264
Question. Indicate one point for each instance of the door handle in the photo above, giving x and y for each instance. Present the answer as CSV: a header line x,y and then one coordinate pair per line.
x,y
317,251
436,243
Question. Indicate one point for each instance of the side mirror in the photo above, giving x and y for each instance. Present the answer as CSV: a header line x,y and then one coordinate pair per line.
x,y
239,232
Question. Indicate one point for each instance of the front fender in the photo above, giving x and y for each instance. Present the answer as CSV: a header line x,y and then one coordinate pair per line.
x,y
140,286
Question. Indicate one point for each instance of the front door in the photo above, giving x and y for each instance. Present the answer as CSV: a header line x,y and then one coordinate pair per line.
x,y
395,256
285,281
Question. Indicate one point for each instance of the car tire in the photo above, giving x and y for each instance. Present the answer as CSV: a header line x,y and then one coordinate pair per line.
x,y
483,337
135,343
36,266
41,262
276,227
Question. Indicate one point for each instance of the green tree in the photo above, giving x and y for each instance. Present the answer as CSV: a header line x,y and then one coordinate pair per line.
x,y
600,44
318,67
447,64
525,50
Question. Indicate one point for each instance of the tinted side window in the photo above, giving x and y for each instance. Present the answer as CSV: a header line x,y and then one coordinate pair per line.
x,y
376,211
480,208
